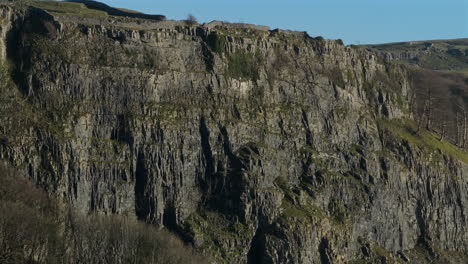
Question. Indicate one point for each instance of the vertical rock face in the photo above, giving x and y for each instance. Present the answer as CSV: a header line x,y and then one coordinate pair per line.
x,y
256,146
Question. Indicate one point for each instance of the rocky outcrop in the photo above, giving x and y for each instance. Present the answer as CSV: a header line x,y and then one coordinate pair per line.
x,y
255,146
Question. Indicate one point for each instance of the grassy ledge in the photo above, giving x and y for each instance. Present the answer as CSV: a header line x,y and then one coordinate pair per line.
x,y
425,140
67,8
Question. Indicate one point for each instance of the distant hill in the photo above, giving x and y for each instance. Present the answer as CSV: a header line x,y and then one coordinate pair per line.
x,y
439,75
431,54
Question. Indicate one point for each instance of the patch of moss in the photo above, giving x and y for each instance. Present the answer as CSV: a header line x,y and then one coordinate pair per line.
x,y
216,42
282,184
350,76
338,212
380,251
427,141
244,65
303,214
215,229
306,212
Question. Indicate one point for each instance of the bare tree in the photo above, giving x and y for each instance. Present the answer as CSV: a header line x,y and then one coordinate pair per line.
x,y
423,116
191,20
463,143
28,226
443,130
428,110
30,232
115,239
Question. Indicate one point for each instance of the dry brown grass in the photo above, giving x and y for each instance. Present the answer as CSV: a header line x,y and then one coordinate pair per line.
x,y
32,230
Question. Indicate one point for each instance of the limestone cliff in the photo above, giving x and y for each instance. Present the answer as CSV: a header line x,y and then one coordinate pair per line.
x,y
256,146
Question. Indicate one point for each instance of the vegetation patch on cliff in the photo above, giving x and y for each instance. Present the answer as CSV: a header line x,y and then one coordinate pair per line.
x,y
298,204
244,65
214,233
216,42
67,8
426,140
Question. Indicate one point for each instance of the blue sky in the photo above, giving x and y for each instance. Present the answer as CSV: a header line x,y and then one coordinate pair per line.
x,y
354,21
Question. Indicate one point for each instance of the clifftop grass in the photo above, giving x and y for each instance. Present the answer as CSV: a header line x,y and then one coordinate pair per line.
x,y
436,54
425,140
67,8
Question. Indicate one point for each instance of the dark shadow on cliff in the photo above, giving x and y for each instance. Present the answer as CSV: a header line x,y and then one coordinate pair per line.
x,y
228,187
257,248
324,249
220,182
424,240
143,201
207,156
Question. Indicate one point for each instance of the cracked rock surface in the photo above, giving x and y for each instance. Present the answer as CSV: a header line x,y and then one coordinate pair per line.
x,y
256,146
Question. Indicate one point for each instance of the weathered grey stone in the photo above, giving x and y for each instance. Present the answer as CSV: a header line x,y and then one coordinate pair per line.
x,y
289,162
